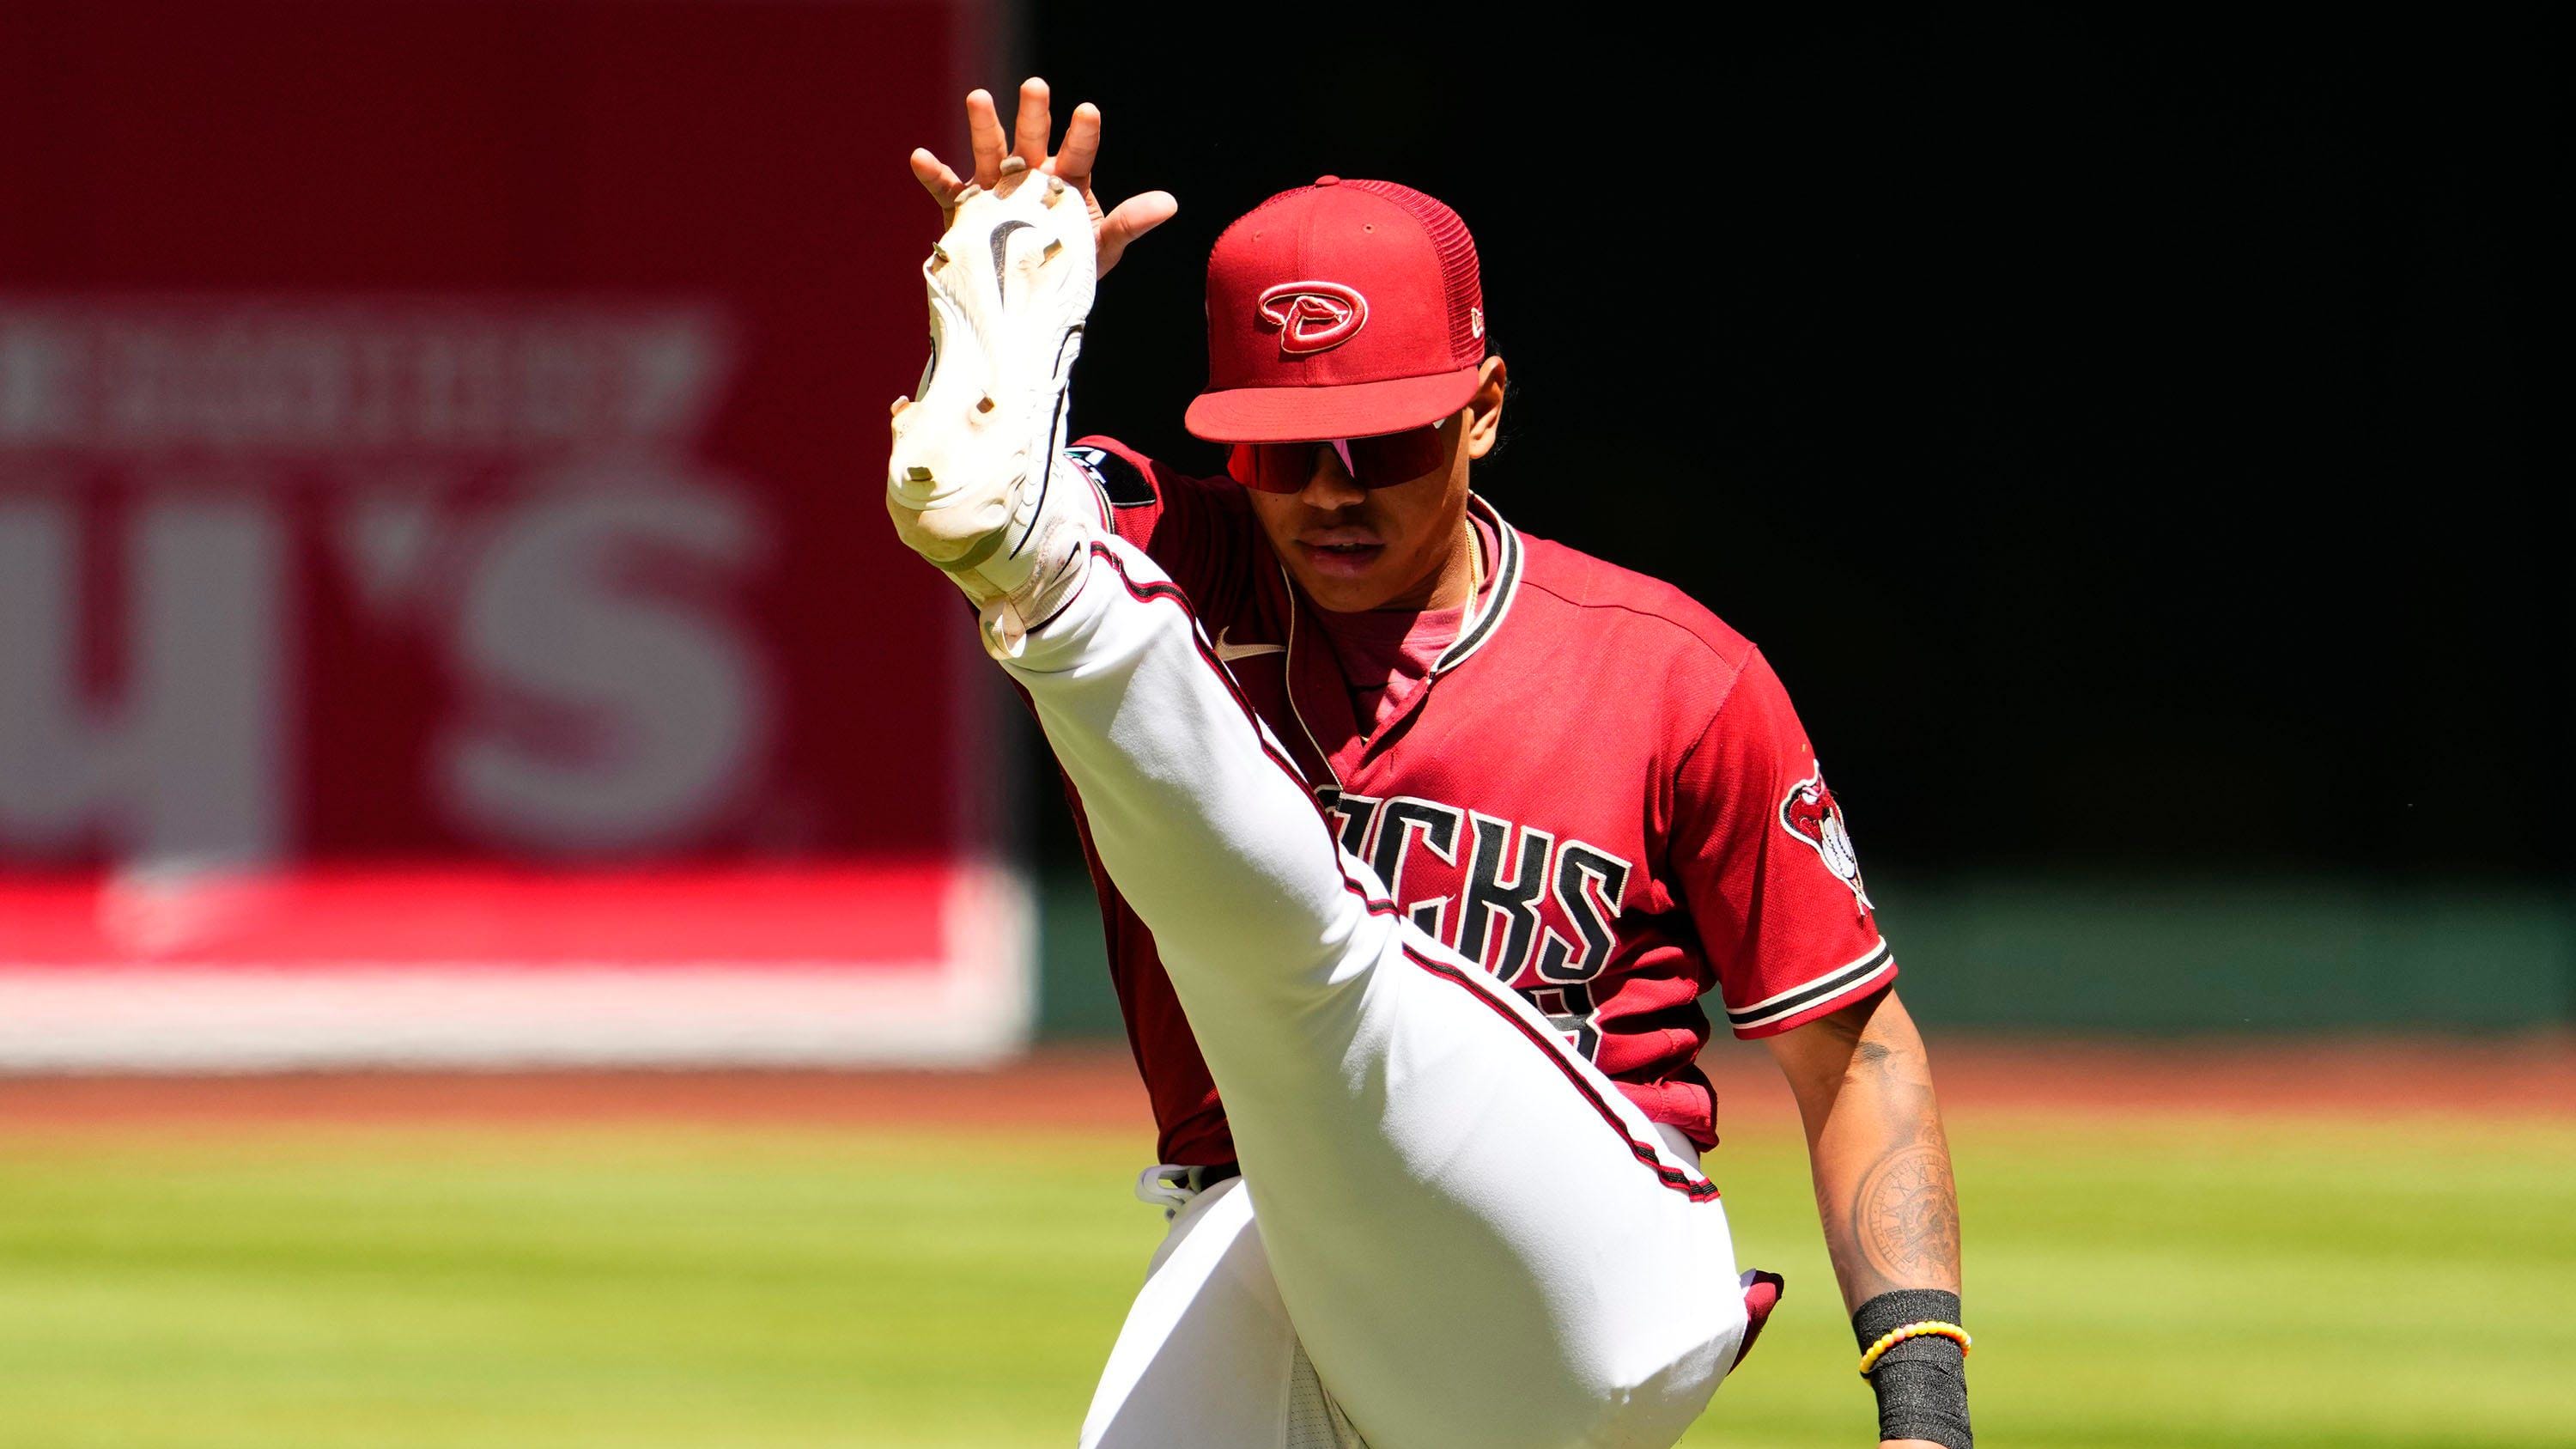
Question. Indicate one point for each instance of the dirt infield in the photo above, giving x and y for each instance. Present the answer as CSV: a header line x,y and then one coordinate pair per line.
x,y
1094,1089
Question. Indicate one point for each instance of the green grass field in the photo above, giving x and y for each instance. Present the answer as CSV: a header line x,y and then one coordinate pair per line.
x,y
2182,1282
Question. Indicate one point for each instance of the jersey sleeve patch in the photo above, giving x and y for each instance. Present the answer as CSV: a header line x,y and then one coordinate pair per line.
x,y
1120,480
1813,819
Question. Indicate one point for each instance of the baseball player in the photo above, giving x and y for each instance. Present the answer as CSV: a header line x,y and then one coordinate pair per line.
x,y
1419,841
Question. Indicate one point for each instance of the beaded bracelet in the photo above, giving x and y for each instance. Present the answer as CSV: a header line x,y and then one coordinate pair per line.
x,y
1928,1328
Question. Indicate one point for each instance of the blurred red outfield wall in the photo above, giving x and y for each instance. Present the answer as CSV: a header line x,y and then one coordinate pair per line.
x,y
445,610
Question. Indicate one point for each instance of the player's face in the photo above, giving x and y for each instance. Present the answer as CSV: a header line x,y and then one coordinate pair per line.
x,y
1397,547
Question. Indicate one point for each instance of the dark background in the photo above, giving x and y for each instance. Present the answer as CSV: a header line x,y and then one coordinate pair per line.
x,y
2125,441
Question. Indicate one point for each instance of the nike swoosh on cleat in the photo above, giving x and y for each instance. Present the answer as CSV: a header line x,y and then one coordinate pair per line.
x,y
1232,652
1002,250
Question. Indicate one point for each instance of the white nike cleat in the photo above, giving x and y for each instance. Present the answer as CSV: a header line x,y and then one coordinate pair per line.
x,y
976,483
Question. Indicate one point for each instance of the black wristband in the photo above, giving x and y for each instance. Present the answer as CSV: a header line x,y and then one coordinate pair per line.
x,y
1921,1383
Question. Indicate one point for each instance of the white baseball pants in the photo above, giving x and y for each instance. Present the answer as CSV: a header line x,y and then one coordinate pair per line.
x,y
1478,1241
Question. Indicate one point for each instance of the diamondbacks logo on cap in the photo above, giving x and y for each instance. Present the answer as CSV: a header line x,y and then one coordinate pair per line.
x,y
1810,813
1313,316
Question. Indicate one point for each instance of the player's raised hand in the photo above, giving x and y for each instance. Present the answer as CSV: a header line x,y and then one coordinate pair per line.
x,y
1026,143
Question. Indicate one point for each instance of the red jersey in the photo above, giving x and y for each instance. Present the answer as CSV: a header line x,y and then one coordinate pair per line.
x,y
1600,793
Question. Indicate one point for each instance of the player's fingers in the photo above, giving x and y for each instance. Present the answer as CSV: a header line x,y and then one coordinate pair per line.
x,y
984,133
1140,214
935,178
1034,125
1081,146
1131,219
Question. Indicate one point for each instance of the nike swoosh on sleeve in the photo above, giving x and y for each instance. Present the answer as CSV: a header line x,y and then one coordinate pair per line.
x,y
1232,652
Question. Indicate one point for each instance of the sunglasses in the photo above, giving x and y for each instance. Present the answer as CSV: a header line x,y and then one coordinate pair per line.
x,y
1379,462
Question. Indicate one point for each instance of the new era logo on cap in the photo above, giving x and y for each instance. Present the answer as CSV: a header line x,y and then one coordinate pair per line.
x,y
1312,316
1345,309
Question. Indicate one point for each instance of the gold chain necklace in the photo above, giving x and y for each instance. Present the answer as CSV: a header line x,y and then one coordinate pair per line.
x,y
1475,576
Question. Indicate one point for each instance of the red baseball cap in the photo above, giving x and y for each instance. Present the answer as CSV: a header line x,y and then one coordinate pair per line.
x,y
1345,309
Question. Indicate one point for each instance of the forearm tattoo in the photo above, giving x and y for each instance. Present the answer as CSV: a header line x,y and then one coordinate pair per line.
x,y
1905,1217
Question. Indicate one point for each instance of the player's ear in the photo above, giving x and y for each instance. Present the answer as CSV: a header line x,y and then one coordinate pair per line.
x,y
1485,409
